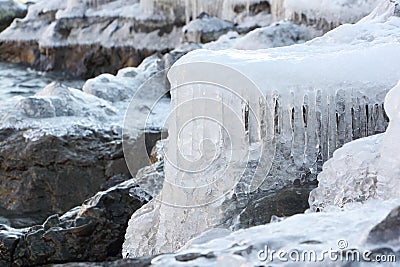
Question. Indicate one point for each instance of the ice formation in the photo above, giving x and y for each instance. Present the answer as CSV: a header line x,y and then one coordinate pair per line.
x,y
327,14
315,97
364,169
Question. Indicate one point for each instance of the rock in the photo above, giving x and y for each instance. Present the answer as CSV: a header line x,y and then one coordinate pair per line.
x,y
54,173
92,232
124,85
9,10
206,28
387,232
138,262
259,207
87,39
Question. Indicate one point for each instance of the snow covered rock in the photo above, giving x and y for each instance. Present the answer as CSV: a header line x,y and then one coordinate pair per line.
x,y
205,29
326,14
278,34
123,86
87,39
9,10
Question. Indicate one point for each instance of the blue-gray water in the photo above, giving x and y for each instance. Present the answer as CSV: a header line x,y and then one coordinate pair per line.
x,y
18,80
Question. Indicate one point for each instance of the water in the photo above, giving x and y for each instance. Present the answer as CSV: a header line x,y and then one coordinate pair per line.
x,y
18,80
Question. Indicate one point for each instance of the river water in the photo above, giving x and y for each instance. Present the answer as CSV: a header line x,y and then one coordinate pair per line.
x,y
18,80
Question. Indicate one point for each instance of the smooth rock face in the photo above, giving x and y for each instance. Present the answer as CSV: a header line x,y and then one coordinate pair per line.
x,y
92,232
54,173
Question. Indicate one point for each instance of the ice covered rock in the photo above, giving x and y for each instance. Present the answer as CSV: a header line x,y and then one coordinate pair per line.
x,y
205,28
323,15
364,169
278,34
62,144
294,107
388,167
9,10
124,85
302,238
87,38
58,100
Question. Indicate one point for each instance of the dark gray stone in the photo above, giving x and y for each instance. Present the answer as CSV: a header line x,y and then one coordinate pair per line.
x,y
387,231
92,232
52,174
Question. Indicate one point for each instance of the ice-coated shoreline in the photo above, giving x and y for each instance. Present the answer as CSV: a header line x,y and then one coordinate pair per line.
x,y
311,96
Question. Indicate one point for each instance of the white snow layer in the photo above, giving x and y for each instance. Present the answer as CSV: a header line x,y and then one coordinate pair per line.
x,y
316,97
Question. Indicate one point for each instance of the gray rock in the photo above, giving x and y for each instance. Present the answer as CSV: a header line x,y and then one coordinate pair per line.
x,y
258,208
92,232
206,28
387,231
51,174
138,262
9,10
89,38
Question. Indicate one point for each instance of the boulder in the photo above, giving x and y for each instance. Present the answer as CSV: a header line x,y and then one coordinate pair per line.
x,y
92,232
206,28
52,173
9,10
387,231
87,38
